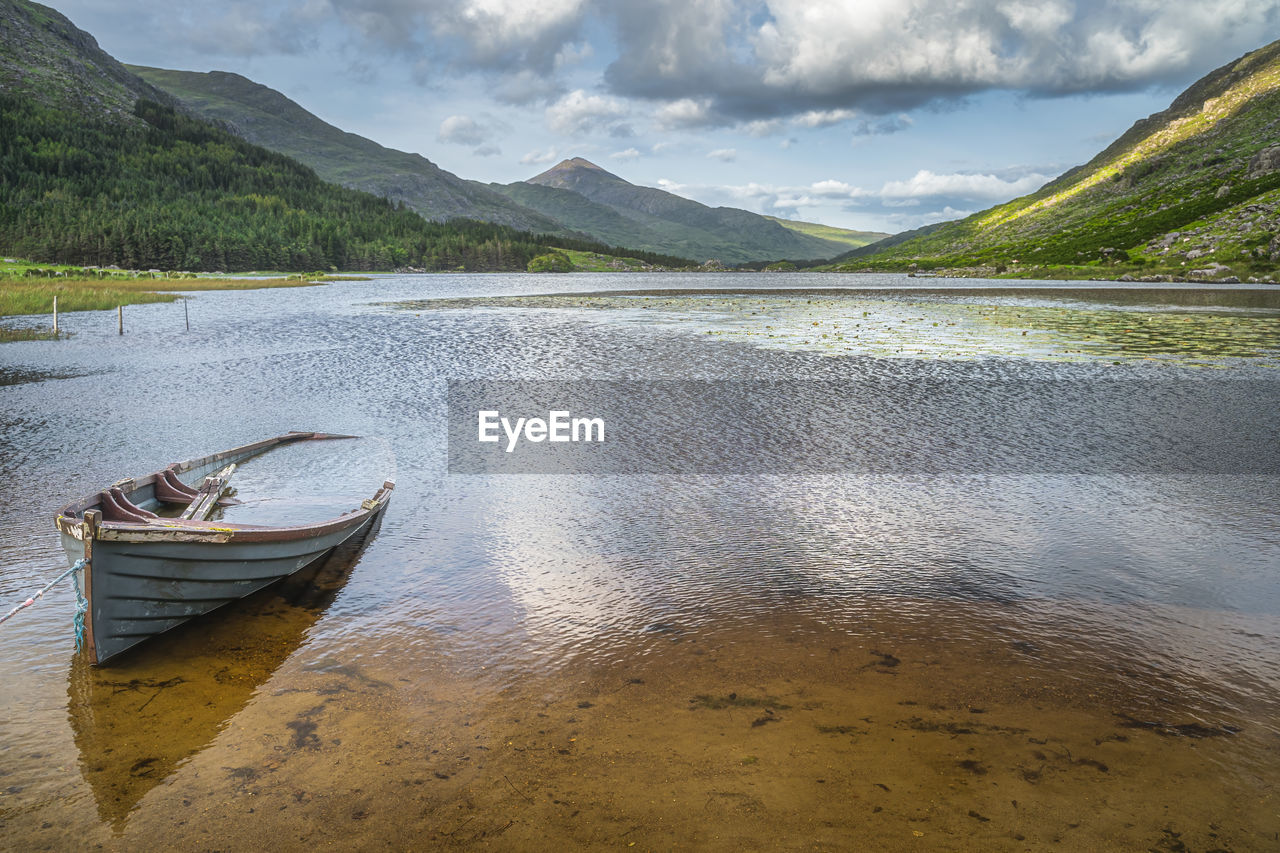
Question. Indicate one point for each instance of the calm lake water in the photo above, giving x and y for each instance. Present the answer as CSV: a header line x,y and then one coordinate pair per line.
x,y
967,661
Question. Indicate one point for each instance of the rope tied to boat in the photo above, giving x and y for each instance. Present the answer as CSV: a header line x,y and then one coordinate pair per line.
x,y
82,603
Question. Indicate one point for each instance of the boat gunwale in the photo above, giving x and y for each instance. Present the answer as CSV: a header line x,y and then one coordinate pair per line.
x,y
71,522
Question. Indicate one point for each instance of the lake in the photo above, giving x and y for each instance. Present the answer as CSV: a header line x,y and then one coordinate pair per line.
x,y
968,658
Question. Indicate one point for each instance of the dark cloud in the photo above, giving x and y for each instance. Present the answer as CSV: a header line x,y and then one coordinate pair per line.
x,y
729,62
887,56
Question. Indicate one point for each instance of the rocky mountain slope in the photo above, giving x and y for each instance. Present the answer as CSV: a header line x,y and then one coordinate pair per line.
x,y
1192,191
46,57
662,221
265,117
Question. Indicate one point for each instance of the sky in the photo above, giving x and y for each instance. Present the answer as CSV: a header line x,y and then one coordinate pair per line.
x,y
866,114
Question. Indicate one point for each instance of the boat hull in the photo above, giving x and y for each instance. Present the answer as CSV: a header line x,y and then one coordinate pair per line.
x,y
144,577
141,589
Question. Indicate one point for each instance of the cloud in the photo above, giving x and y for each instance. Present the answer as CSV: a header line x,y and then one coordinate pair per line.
x,y
823,118
925,197
762,127
525,86
461,130
573,54
578,112
724,155
927,184
818,60
883,127
629,154
686,114
537,158
706,63
487,151
506,35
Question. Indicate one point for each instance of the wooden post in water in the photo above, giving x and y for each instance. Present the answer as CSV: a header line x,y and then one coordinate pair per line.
x,y
120,317
55,316
185,315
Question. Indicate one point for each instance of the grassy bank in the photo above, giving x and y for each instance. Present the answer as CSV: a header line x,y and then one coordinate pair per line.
x,y
29,288
27,296
595,262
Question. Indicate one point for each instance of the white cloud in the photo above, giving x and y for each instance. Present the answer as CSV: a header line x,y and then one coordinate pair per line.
x,y
684,114
924,198
930,184
762,127
671,186
461,130
724,155
629,154
823,118
537,158
578,113
500,31
908,221
834,189
573,54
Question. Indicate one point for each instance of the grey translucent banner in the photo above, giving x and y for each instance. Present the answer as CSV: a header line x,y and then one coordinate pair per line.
x,y
867,426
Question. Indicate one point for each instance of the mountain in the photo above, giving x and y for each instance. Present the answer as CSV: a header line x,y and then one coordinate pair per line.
x,y
1191,191
46,57
659,220
265,117
180,193
583,215
852,239
99,167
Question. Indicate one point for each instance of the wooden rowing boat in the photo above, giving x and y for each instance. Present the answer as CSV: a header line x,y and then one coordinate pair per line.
x,y
189,685
146,572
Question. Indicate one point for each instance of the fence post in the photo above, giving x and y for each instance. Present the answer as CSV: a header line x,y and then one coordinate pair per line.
x,y
120,317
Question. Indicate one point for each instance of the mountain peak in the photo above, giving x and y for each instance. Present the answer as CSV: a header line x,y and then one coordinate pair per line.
x,y
568,173
577,163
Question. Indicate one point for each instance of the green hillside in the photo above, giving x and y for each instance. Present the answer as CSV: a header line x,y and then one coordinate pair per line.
x,y
265,117
1193,191
581,214
98,167
664,222
179,193
830,233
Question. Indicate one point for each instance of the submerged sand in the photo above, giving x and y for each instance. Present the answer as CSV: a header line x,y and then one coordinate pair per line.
x,y
772,732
